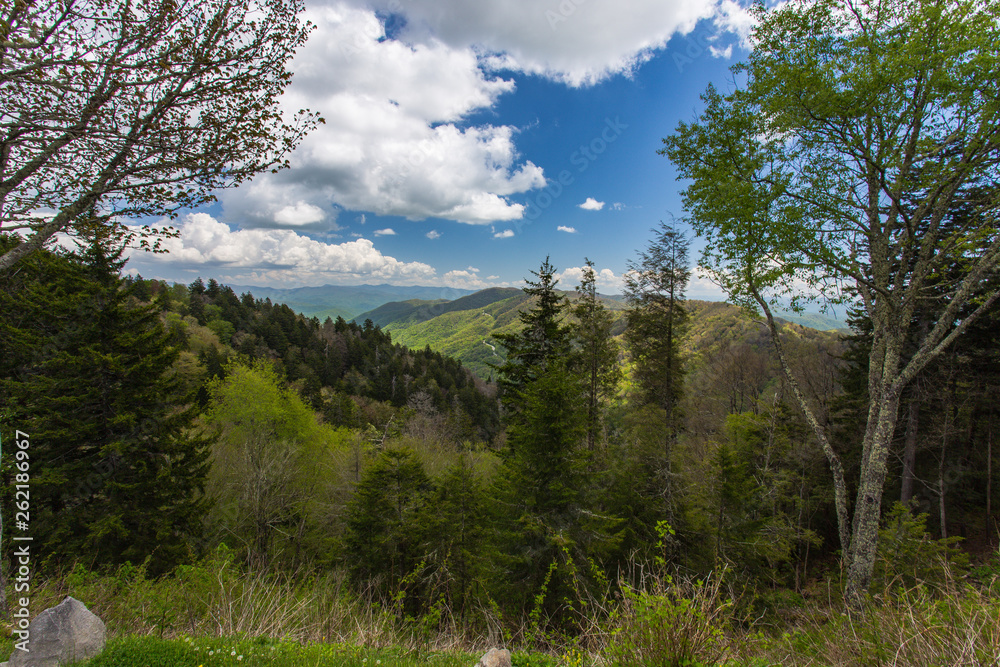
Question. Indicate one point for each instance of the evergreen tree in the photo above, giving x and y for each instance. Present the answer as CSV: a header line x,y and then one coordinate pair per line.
x,y
657,319
548,528
384,541
544,338
596,350
542,491
196,300
457,534
115,473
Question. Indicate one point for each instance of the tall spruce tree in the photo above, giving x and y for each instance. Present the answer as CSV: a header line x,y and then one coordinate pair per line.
x,y
547,526
384,540
657,319
596,350
115,473
543,339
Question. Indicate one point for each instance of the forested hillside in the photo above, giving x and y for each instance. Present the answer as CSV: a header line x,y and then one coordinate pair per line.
x,y
466,328
106,372
169,421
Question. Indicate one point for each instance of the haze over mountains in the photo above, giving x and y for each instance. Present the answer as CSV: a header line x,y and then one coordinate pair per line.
x,y
347,301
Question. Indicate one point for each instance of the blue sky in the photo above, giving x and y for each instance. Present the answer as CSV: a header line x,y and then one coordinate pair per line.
x,y
464,142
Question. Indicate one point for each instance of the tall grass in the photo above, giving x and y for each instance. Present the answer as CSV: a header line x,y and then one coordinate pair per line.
x,y
919,625
218,598
660,620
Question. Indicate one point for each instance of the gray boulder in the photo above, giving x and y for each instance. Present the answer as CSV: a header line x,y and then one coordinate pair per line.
x,y
495,657
59,635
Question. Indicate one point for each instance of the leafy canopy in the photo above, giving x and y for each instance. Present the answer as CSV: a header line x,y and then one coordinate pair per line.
x,y
121,108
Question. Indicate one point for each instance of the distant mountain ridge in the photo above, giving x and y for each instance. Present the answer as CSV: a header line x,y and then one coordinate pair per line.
x,y
416,311
348,301
466,328
462,323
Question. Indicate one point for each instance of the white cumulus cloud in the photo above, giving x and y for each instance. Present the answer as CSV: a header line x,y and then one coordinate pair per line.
x,y
607,281
397,138
299,214
568,230
433,234
505,234
579,42
278,256
388,231
591,205
394,140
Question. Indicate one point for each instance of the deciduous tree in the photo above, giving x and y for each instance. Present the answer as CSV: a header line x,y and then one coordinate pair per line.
x,y
138,108
858,129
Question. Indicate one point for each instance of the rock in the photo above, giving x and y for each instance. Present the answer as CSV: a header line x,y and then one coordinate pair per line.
x,y
495,657
61,635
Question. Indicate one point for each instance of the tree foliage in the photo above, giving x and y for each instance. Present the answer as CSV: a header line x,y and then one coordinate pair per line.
x,y
654,290
268,463
858,129
116,472
117,108
542,340
596,351
387,521
546,498
657,320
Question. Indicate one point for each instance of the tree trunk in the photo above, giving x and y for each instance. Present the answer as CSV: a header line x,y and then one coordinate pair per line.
x,y
989,480
941,465
868,507
836,466
910,447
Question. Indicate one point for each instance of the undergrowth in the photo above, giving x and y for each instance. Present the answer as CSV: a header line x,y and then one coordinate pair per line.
x,y
214,613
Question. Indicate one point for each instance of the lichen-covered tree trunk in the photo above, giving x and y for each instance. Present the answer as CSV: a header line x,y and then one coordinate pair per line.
x,y
882,420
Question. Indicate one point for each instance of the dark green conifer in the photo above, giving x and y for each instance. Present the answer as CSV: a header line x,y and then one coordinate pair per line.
x,y
116,474
544,338
384,541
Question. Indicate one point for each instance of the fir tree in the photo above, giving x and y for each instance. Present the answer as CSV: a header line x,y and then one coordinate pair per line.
x,y
384,542
116,474
544,338
596,350
547,528
657,319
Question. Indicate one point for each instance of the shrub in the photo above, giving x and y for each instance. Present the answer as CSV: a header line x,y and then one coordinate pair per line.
x,y
670,623
907,556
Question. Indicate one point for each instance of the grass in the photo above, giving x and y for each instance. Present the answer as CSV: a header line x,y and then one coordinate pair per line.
x,y
914,626
214,614
225,651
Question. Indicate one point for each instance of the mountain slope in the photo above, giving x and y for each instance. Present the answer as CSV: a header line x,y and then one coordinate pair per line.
x,y
468,334
415,311
465,334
